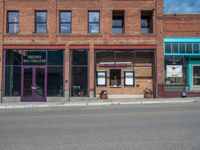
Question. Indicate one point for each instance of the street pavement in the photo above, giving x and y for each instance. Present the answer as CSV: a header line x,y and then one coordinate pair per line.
x,y
113,127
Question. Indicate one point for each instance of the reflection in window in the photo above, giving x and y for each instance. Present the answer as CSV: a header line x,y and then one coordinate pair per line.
x,y
65,21
12,81
146,22
118,22
13,22
55,81
94,22
41,22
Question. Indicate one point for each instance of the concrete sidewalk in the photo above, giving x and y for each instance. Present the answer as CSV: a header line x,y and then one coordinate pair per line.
x,y
98,103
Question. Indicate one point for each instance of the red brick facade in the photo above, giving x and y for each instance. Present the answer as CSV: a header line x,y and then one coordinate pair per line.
x,y
183,25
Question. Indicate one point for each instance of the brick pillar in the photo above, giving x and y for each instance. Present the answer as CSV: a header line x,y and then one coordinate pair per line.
x,y
160,52
91,71
67,72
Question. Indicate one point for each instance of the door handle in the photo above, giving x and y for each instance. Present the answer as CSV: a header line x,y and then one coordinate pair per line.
x,y
33,88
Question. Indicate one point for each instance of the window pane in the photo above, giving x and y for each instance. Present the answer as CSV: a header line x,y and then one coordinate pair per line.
x,y
196,48
117,22
182,48
65,28
93,28
115,77
117,30
105,57
80,57
55,81
13,57
55,57
129,78
93,16
13,16
41,28
12,81
189,48
145,30
174,48
13,28
41,16
65,16
168,48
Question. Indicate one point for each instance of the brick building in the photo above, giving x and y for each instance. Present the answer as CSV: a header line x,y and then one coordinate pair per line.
x,y
54,50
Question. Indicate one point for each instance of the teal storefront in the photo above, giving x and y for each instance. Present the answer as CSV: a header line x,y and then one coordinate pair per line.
x,y
182,63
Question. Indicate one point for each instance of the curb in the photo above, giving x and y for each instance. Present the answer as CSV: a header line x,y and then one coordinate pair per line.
x,y
93,104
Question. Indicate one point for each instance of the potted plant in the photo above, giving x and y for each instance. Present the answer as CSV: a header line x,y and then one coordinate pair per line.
x,y
103,94
148,93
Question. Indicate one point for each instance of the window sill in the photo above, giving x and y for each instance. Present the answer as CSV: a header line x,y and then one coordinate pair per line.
x,y
115,86
147,34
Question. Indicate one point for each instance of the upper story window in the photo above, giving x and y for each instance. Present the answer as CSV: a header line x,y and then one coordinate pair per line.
x,y
41,22
146,22
13,22
93,21
118,22
65,21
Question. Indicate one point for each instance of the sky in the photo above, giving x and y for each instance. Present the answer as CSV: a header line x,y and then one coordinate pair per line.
x,y
182,6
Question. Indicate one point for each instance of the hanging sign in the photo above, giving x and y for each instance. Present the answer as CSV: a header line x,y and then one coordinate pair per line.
x,y
174,71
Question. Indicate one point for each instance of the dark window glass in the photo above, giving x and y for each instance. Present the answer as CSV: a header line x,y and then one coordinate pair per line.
x,y
103,57
115,77
189,48
79,81
93,22
196,48
55,57
13,22
41,22
13,57
65,22
182,48
118,22
168,48
174,48
146,22
12,81
80,57
55,81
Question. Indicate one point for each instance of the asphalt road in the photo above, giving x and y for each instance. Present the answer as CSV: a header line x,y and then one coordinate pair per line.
x,y
126,127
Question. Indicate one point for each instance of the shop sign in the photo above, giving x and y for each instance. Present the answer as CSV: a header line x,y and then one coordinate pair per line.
x,y
174,71
34,59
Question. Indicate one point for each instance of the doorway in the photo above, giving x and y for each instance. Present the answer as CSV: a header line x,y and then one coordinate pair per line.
x,y
33,84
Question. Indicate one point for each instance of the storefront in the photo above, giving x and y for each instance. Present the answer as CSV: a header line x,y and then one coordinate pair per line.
x,y
33,75
182,65
124,73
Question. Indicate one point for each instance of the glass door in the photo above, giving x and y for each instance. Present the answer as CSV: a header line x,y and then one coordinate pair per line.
x,y
33,84
196,77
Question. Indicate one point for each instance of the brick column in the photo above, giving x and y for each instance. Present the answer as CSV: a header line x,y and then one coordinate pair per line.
x,y
160,52
67,72
91,71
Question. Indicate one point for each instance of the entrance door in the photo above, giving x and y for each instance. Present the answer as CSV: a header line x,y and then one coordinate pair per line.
x,y
196,77
33,84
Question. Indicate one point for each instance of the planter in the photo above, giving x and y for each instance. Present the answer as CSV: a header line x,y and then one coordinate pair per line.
x,y
148,95
103,96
